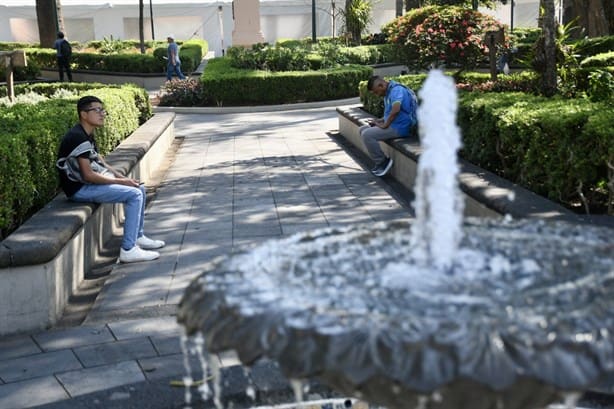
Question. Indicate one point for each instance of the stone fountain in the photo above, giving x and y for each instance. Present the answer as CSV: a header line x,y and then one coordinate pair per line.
x,y
438,313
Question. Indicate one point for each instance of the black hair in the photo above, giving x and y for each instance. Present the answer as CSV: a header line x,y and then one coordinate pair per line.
x,y
60,34
85,102
371,82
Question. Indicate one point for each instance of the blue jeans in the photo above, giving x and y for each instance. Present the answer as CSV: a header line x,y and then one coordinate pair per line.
x,y
371,136
133,199
170,69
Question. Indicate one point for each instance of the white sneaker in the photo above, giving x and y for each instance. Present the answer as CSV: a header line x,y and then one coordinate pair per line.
x,y
136,254
146,243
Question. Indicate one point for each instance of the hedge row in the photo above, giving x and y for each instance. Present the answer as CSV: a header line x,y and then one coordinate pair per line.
x,y
224,85
191,54
557,147
29,141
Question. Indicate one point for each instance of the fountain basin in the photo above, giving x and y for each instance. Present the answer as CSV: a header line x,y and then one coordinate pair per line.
x,y
523,315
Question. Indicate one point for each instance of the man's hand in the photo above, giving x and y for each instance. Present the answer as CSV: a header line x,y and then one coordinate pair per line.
x,y
127,182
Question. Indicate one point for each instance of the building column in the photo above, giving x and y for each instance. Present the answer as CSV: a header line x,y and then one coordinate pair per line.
x,y
246,14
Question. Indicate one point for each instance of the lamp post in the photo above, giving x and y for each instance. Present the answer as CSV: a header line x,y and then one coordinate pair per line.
x,y
313,21
512,16
153,35
221,24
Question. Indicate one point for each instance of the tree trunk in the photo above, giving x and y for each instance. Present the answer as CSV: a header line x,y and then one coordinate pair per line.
x,y
398,8
412,4
597,23
595,17
47,19
548,52
141,27
60,16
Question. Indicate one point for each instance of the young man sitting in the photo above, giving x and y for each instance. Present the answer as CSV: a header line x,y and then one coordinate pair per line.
x,y
86,177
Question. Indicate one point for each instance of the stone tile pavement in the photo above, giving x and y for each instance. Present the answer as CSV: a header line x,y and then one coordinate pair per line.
x,y
238,179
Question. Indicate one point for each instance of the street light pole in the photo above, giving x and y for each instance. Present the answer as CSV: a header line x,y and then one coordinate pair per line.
x,y
313,21
153,36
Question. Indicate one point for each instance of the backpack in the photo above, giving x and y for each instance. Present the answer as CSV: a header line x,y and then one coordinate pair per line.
x,y
65,49
413,101
70,164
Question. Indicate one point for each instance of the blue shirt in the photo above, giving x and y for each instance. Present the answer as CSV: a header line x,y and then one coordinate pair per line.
x,y
175,48
406,118
58,46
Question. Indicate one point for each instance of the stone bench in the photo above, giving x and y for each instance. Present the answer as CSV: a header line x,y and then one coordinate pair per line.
x,y
486,194
43,262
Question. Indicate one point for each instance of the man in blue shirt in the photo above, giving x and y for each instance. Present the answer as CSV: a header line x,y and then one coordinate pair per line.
x,y
400,104
174,63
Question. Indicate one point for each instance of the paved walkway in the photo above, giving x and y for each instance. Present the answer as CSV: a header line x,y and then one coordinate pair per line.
x,y
238,179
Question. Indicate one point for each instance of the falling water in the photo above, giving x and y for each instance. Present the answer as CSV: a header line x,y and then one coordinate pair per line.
x,y
439,206
187,379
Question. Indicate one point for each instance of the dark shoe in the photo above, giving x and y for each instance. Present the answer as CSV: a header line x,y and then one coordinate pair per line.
x,y
383,168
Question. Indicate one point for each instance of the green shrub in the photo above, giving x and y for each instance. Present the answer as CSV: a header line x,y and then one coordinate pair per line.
x,y
263,57
436,35
190,53
595,45
225,85
556,147
599,60
601,86
182,93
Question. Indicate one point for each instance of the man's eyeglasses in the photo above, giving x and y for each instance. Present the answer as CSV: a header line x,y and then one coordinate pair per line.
x,y
98,110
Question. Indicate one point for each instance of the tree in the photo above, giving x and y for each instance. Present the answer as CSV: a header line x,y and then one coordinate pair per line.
x,y
595,17
50,21
412,4
545,49
357,16
398,8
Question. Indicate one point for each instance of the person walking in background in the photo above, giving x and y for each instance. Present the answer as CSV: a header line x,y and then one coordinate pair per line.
x,y
400,105
173,64
63,52
86,177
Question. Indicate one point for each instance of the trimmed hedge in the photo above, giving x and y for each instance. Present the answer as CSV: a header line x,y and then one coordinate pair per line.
x,y
224,85
190,53
559,148
30,137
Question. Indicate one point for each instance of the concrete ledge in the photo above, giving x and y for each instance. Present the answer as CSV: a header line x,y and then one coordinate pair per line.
x,y
44,261
486,194
147,81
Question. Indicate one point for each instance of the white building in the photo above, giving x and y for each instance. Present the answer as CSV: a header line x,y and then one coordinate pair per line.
x,y
211,20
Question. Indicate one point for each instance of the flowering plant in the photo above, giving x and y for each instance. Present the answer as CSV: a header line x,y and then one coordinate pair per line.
x,y
442,35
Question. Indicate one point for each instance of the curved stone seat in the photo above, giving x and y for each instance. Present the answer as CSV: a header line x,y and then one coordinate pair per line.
x,y
486,194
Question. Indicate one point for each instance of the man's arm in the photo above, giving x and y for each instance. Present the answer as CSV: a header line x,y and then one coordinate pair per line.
x,y
111,168
394,111
88,175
